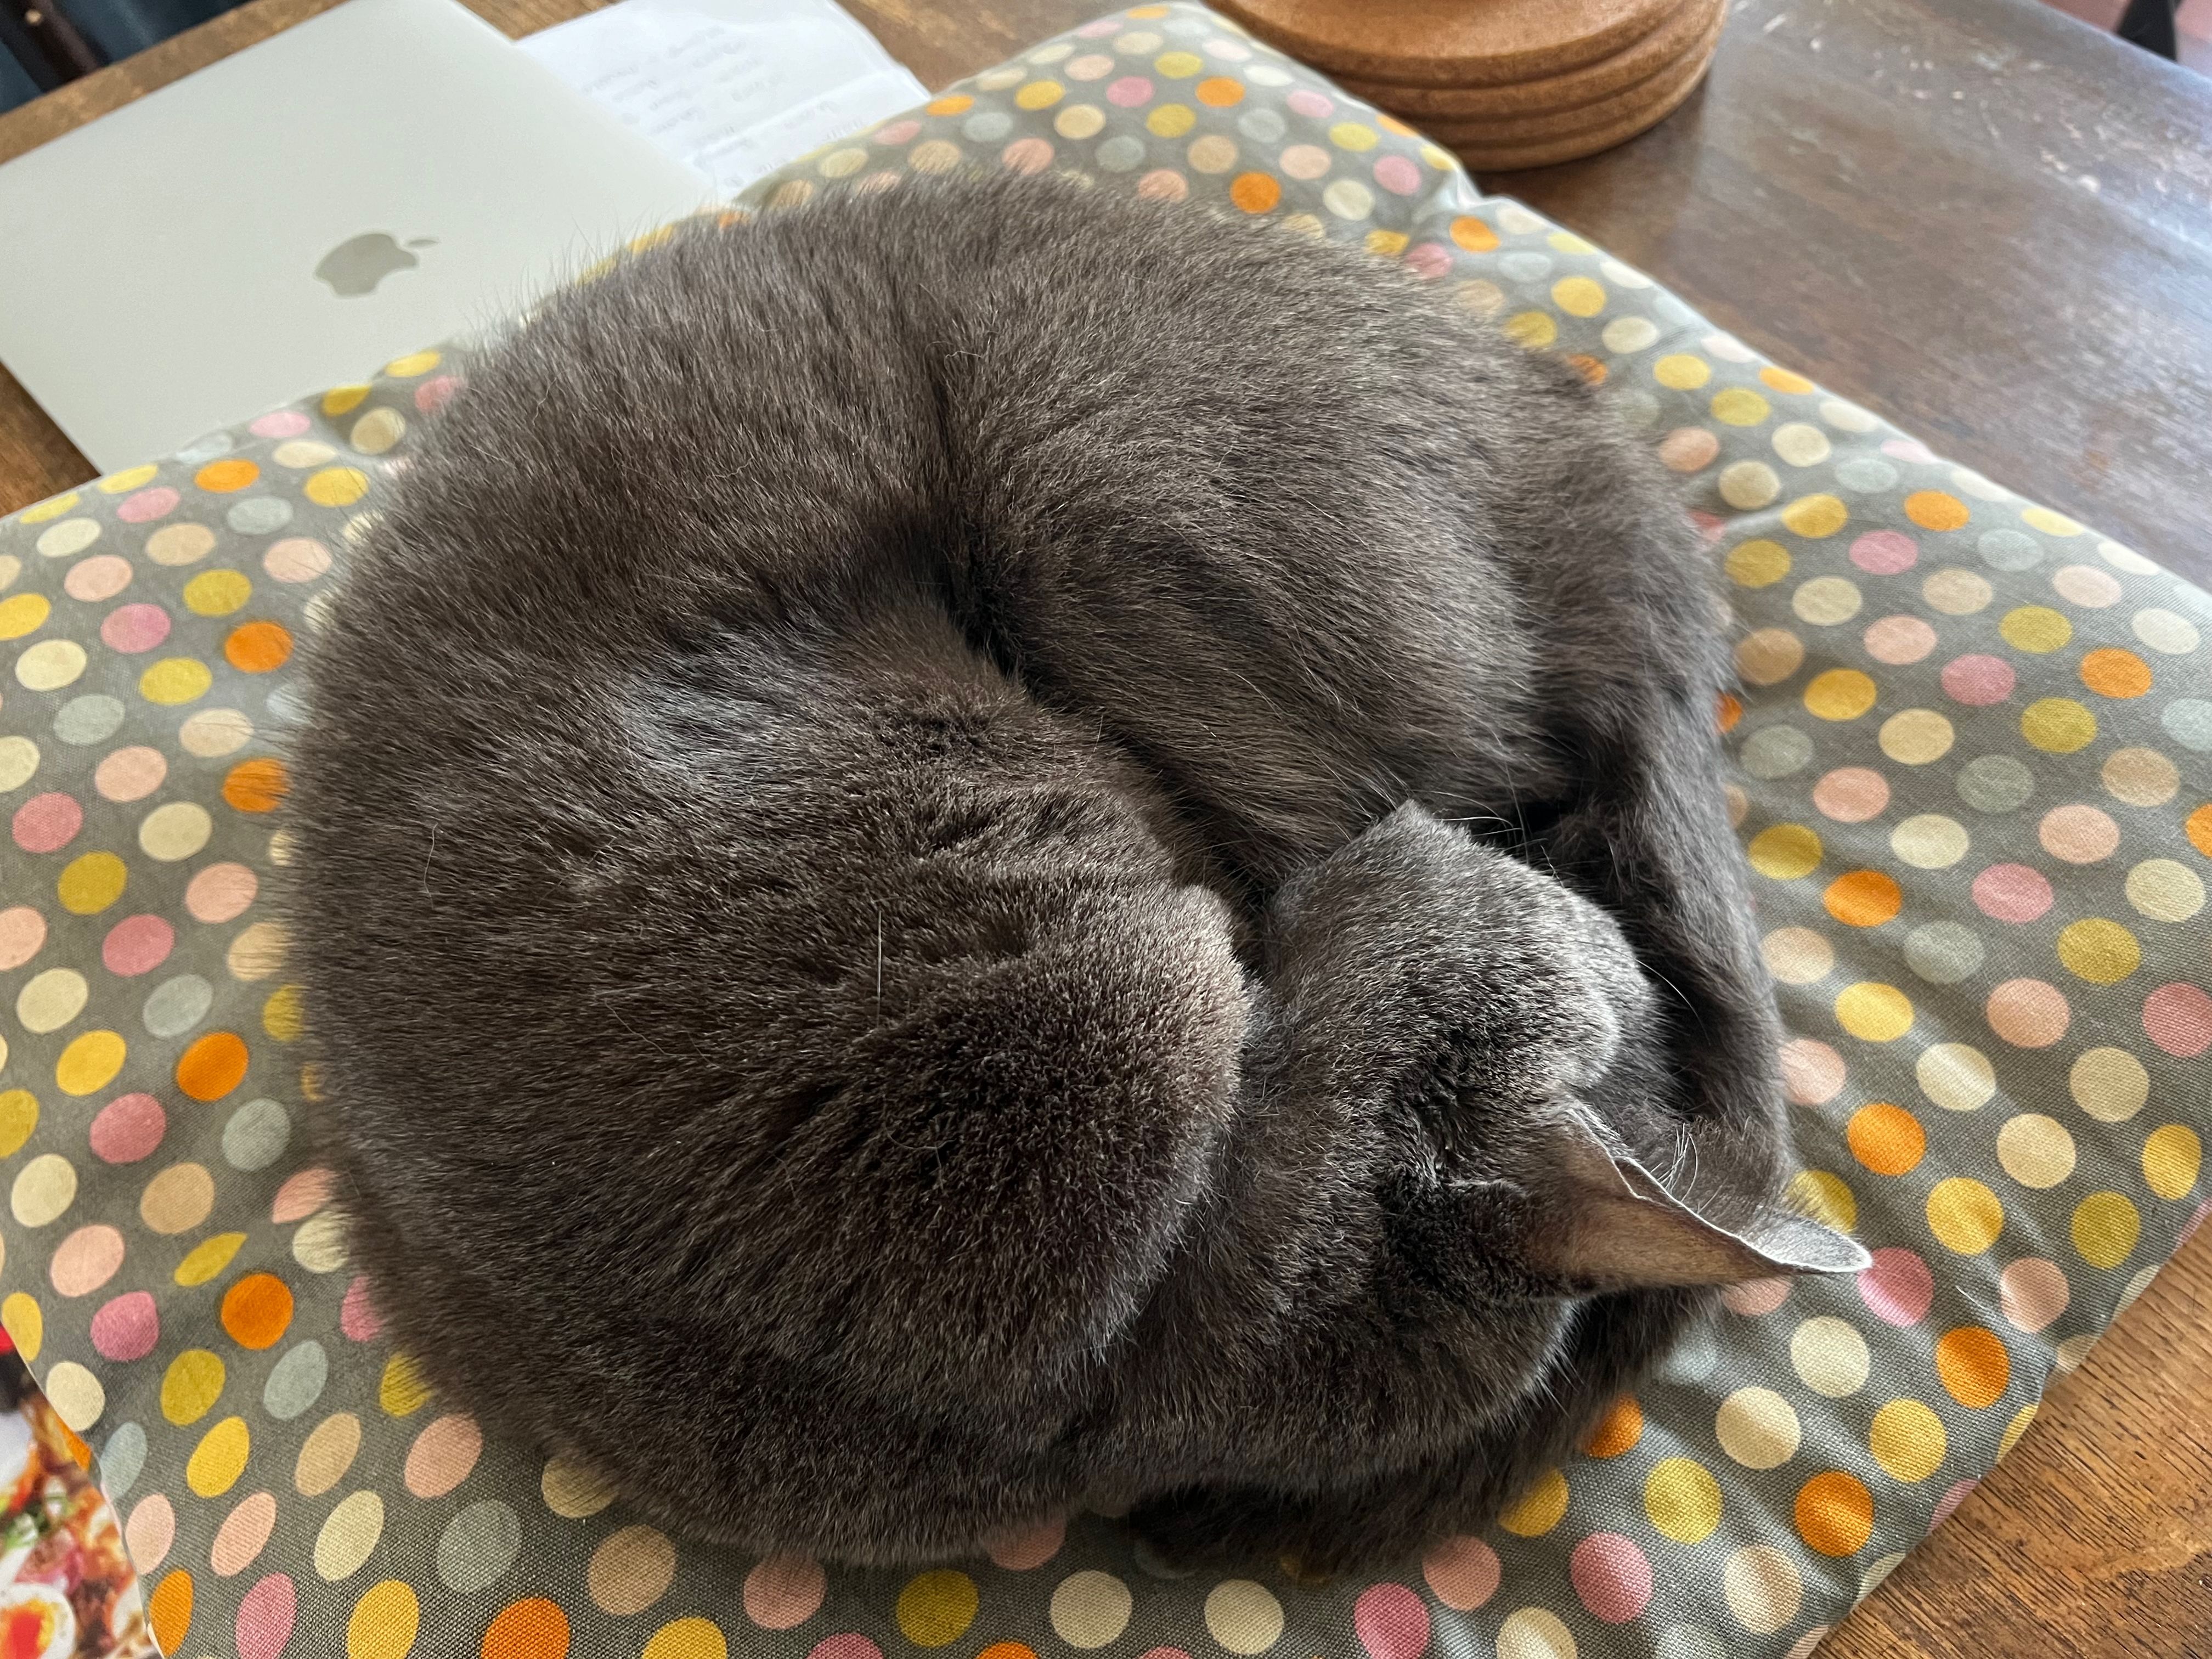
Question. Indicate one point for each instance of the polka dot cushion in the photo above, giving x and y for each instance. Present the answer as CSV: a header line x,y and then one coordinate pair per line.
x,y
1972,738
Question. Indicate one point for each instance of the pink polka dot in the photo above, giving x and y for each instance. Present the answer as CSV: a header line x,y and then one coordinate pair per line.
x,y
84,1261
301,1195
1948,1504
846,1644
1756,1298
1688,449
1709,524
296,559
1026,156
2029,1013
22,931
898,132
130,773
144,506
1098,28
1033,1548
1429,260
1978,680
2012,892
265,1617
1129,91
220,892
137,944
2032,1292
443,1455
2178,1019
1397,175
1391,1621
1898,1288
1851,795
1306,101
129,1127
46,824
1307,161
2189,1227
1164,185
1884,552
785,1591
1898,639
1164,1653
434,393
1908,449
2078,834
150,1530
356,1314
128,1327
1812,1071
99,577
134,628
2085,585
1611,1577
280,423
1463,1572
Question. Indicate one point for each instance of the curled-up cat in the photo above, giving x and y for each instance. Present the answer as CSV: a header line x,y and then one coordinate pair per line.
x,y
984,848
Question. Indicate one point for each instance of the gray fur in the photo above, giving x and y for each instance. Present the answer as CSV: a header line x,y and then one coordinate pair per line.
x,y
966,850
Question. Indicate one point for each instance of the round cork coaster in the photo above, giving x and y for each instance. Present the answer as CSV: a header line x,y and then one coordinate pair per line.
x,y
1648,99
1484,157
1683,33
1450,43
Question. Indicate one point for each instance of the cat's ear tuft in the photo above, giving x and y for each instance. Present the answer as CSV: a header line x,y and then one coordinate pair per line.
x,y
1618,1228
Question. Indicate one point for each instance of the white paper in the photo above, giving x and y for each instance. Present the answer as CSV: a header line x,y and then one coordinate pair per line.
x,y
736,87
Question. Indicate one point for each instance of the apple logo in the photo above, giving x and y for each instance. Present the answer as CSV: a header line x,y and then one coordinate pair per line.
x,y
357,264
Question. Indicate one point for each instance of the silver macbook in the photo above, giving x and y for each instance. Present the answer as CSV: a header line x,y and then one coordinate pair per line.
x,y
384,176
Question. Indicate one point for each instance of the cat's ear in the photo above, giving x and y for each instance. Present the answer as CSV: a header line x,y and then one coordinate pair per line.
x,y
1620,1228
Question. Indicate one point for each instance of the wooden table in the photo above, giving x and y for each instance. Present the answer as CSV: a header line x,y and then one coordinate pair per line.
x,y
1993,226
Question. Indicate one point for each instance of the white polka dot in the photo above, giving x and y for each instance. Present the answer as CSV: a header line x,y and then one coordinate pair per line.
x,y
1089,1609
1534,1633
1243,1617
1801,444
75,1395
2163,630
1831,1357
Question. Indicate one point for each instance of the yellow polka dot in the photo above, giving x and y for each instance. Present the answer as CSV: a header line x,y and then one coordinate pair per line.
x,y
693,1638
52,508
1533,328
217,593
1785,852
1386,243
282,1017
2105,1228
1680,371
1781,379
1178,65
1824,1196
2057,726
341,398
219,1458
2050,523
384,1623
116,484
1874,1012
1965,1215
1538,1510
935,1608
1682,1499
1840,694
1040,95
401,1390
1740,406
1171,120
1932,509
2103,952
24,1325
89,884
1758,563
1351,134
2036,628
2172,1158
337,486
191,1386
1907,1439
1578,296
175,680
89,1063
1815,516
413,363
19,1116
2018,1426
208,1258
24,614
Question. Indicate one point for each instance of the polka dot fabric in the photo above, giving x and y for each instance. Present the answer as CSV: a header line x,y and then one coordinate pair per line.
x,y
1972,738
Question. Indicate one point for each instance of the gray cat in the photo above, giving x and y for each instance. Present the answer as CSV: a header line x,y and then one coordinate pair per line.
x,y
984,848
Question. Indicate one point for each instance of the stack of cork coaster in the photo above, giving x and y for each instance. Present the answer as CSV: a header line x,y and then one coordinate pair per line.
x,y
1507,83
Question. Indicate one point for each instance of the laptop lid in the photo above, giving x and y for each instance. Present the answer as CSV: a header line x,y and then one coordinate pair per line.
x,y
383,176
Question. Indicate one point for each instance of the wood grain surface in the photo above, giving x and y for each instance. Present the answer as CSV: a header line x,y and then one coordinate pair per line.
x,y
1993,226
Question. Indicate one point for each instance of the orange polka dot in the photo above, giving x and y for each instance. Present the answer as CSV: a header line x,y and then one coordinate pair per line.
x,y
1730,711
1886,1139
1835,1513
536,1629
169,1610
256,786
1588,368
1218,90
257,1310
1973,1366
1618,1431
222,477
2115,673
1008,1650
1781,379
78,1448
258,647
2199,827
1931,509
1392,124
1256,193
213,1067
1863,898
1471,234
